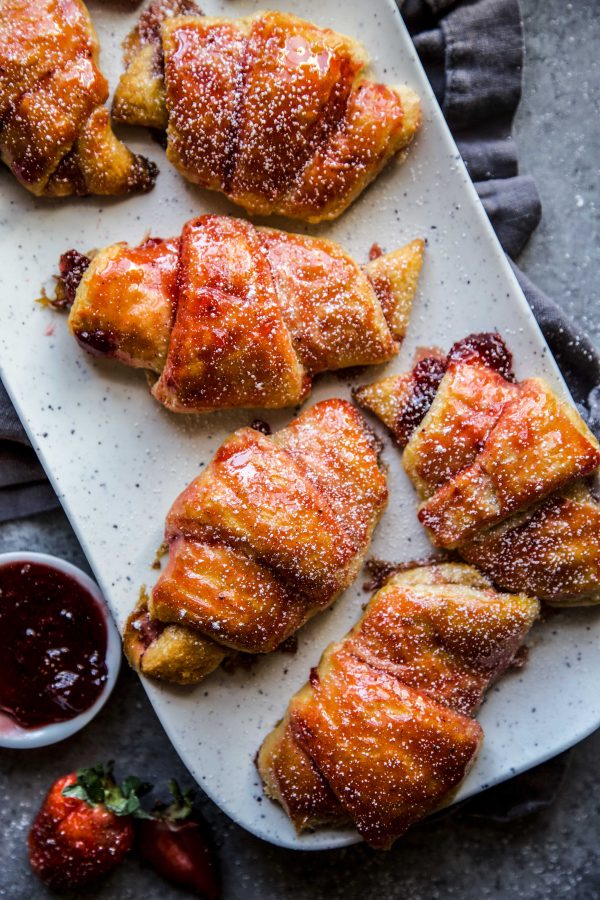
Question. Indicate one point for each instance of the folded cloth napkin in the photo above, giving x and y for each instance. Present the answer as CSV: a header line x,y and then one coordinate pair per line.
x,y
24,489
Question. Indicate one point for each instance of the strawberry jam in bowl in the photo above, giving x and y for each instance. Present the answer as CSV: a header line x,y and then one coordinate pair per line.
x,y
59,650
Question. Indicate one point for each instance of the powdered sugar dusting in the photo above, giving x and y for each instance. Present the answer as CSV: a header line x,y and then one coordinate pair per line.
x,y
273,530
234,316
385,720
55,134
274,112
500,466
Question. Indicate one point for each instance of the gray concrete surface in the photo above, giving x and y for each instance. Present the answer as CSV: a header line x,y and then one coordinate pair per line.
x,y
558,134
553,854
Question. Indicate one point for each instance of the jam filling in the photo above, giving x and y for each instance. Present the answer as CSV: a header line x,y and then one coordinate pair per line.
x,y
152,18
53,645
426,379
262,426
72,267
101,342
486,347
147,628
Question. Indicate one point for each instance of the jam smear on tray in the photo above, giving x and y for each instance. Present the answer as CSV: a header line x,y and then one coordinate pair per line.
x,y
52,645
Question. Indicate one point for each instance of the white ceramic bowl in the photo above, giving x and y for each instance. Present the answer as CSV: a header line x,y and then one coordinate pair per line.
x,y
13,735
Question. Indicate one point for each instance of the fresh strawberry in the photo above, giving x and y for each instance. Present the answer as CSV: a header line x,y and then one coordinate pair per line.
x,y
176,846
84,828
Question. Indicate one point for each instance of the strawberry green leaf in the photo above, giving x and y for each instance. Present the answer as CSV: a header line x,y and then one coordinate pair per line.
x,y
96,786
89,786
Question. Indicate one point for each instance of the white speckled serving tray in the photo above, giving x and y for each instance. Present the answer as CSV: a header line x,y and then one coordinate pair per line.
x,y
118,460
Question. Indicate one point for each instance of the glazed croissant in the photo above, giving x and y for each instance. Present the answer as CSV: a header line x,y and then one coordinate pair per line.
x,y
500,467
268,535
55,132
382,734
269,109
230,315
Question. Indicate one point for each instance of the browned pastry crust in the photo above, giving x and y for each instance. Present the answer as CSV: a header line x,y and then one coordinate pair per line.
x,y
499,466
537,445
382,735
168,652
269,109
270,533
230,315
55,133
553,548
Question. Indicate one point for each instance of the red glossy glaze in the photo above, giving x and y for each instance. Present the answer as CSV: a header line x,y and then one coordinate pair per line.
x,y
127,304
52,645
155,260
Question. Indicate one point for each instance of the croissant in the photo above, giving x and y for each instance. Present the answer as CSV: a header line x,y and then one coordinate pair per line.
x,y
269,109
501,468
55,133
230,315
270,533
382,734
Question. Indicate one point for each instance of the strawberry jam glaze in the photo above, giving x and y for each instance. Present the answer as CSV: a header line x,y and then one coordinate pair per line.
x,y
53,644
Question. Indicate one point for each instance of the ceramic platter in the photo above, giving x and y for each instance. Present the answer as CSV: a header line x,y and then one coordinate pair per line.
x,y
118,460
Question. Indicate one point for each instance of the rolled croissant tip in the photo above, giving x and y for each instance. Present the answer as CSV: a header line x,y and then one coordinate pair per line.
x,y
166,651
411,105
394,277
413,114
135,642
380,398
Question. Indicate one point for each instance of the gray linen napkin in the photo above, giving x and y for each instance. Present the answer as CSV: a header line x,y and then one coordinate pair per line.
x,y
24,489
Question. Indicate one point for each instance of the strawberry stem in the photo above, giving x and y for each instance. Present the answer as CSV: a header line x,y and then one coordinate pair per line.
x,y
181,805
96,786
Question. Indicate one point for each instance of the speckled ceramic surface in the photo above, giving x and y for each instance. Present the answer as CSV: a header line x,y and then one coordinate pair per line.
x,y
118,460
